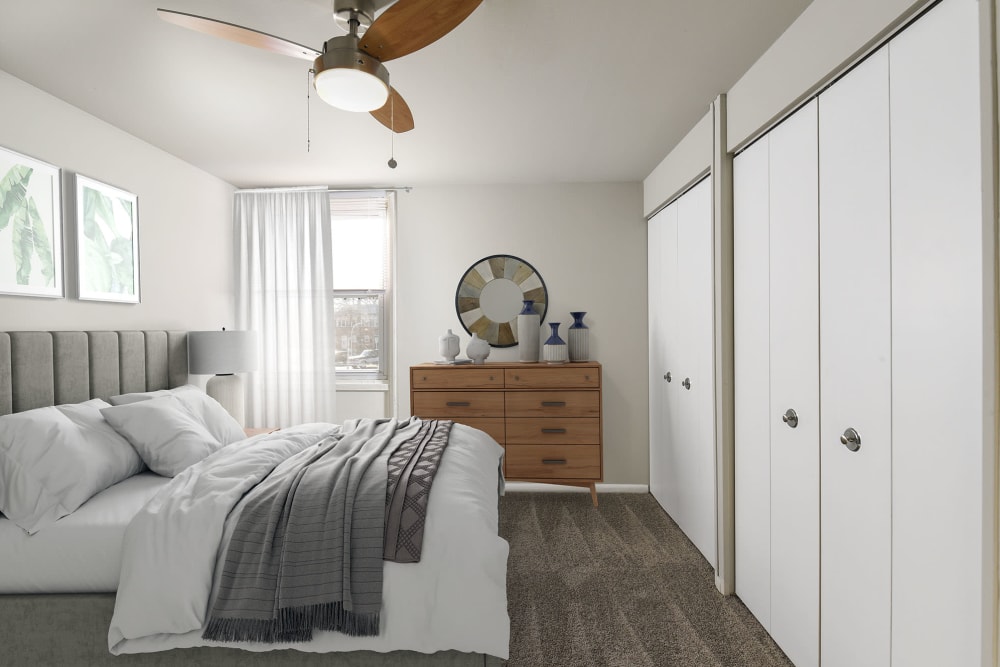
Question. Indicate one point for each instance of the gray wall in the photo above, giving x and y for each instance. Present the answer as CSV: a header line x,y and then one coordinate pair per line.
x,y
185,221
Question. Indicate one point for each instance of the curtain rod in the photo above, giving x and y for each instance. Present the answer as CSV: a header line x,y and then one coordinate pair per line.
x,y
403,188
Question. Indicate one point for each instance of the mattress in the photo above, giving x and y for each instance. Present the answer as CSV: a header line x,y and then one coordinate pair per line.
x,y
80,553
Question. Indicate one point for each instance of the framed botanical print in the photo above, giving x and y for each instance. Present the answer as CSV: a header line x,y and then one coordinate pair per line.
x,y
107,241
31,255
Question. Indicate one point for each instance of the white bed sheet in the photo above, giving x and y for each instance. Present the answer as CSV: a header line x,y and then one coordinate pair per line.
x,y
455,598
79,553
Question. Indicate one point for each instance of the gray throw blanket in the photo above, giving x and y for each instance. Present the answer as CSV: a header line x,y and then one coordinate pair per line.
x,y
308,545
307,548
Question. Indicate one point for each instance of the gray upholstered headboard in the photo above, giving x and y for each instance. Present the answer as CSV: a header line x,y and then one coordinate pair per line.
x,y
42,368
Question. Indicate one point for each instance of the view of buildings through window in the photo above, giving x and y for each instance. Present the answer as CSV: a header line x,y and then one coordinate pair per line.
x,y
361,264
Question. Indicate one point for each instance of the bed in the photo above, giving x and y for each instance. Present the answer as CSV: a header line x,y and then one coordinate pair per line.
x,y
58,609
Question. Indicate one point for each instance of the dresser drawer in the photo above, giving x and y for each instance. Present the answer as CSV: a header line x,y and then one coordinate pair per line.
x,y
557,377
553,404
456,377
457,404
494,426
553,462
553,431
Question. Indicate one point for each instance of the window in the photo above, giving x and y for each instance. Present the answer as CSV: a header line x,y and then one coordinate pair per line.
x,y
361,278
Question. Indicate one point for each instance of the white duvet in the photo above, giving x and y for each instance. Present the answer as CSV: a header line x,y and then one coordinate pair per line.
x,y
454,599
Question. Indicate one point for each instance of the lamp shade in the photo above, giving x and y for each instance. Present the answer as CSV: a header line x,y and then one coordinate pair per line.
x,y
221,352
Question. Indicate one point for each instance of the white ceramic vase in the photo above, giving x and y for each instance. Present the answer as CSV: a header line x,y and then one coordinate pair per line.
x,y
478,349
528,335
448,346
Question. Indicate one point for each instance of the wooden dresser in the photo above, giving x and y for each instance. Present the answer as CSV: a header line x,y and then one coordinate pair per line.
x,y
547,417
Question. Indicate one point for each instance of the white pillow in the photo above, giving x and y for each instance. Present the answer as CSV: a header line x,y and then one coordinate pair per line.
x,y
52,460
205,409
166,435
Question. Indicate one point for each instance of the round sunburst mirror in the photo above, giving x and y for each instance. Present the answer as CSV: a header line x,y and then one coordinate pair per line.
x,y
491,294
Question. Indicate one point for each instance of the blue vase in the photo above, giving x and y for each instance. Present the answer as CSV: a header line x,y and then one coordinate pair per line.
x,y
579,338
555,350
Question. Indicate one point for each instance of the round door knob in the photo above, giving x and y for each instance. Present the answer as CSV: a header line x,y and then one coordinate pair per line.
x,y
790,418
668,377
851,439
687,383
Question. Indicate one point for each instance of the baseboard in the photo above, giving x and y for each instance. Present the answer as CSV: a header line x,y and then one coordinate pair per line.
x,y
518,487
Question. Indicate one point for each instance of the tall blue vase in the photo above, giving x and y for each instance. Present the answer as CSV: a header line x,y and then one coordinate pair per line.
x,y
528,332
555,350
579,338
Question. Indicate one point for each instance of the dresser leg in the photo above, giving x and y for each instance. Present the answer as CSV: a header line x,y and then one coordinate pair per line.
x,y
593,493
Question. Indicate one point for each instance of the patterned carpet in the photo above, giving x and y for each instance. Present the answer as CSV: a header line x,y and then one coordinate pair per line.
x,y
617,585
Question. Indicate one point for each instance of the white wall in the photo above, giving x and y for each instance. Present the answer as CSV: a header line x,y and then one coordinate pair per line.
x,y
826,37
685,164
588,242
185,221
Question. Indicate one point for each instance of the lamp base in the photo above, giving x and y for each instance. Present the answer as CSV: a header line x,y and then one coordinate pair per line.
x,y
228,391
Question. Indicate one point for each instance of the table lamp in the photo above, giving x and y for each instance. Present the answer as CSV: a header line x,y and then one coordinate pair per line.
x,y
222,354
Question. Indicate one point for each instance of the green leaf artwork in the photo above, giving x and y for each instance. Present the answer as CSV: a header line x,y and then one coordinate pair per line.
x,y
29,240
107,229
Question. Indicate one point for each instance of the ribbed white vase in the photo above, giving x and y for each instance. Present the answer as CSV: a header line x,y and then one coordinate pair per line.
x,y
578,338
555,350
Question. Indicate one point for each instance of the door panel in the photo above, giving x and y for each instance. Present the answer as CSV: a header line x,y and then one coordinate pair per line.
x,y
752,369
662,266
794,366
855,370
937,340
695,442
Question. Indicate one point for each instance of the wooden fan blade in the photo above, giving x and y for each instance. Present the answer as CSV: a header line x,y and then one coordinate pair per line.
x,y
395,113
410,25
236,33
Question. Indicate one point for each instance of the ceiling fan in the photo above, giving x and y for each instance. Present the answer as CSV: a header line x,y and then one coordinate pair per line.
x,y
348,72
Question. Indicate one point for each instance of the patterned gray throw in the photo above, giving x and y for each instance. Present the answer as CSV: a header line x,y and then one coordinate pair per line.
x,y
308,545
411,472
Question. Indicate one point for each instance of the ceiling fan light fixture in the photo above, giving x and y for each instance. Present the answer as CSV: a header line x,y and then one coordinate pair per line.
x,y
351,89
350,79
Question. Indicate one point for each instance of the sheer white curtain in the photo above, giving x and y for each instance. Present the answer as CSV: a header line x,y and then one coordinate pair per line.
x,y
285,294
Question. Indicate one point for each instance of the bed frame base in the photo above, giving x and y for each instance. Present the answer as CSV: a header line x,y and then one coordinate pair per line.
x,y
72,629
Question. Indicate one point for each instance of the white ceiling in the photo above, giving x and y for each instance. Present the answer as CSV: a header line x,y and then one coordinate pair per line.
x,y
523,91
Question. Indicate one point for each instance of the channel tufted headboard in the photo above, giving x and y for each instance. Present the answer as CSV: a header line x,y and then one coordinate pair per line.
x,y
42,368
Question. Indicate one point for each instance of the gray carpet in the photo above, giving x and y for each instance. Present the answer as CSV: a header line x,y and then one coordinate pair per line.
x,y
617,585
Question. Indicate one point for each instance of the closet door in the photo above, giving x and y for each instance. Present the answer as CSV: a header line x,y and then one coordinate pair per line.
x,y
694,444
794,373
751,297
662,269
855,371
937,340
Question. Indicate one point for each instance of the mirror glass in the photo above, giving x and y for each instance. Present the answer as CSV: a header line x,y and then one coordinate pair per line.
x,y
491,294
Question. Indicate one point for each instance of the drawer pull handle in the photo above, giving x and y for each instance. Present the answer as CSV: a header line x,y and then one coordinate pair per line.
x,y
553,430
553,404
554,462
458,404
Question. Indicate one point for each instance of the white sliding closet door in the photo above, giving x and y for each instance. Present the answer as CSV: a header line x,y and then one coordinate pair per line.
x,y
682,376
937,340
662,269
855,371
695,422
751,252
794,372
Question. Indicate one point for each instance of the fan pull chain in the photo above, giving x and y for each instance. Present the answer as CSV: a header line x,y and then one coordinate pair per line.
x,y
392,132
309,76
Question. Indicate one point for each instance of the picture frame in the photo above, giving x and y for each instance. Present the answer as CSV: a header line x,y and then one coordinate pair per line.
x,y
31,227
107,240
